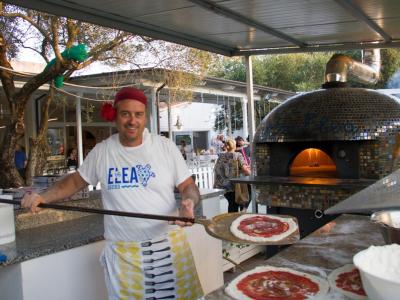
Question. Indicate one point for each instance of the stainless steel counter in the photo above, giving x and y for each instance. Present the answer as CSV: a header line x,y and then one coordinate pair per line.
x,y
326,249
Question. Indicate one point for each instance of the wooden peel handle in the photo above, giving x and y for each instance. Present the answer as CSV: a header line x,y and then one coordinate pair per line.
x,y
105,211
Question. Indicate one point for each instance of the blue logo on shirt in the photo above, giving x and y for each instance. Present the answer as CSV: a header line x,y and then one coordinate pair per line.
x,y
129,177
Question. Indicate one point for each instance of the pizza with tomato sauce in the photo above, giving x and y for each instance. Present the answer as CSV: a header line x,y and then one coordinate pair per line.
x,y
273,283
262,228
347,281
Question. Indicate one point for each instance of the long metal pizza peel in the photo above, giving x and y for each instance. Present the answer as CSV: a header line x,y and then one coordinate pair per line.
x,y
381,195
218,226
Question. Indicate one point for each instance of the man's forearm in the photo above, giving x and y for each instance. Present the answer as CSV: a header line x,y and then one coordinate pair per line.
x,y
191,191
64,188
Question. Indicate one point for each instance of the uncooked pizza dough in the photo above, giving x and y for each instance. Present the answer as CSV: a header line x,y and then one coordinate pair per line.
x,y
262,228
269,282
347,281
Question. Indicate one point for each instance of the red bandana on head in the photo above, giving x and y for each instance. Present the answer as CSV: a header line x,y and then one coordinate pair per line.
x,y
108,111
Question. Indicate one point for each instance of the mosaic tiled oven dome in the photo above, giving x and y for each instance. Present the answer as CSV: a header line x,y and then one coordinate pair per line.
x,y
358,129
332,114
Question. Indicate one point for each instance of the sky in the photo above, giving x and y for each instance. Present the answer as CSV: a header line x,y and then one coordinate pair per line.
x,y
27,55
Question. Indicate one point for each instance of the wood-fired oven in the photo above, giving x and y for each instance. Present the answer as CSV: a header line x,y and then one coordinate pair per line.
x,y
319,148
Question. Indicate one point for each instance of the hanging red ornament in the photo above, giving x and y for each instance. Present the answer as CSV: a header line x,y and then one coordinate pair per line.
x,y
108,112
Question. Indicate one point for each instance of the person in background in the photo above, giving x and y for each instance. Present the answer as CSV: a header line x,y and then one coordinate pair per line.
x,y
72,161
223,143
60,149
223,147
138,172
211,151
243,148
218,144
215,144
20,160
225,169
184,149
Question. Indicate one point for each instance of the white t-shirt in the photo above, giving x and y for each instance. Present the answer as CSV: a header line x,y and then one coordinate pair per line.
x,y
136,179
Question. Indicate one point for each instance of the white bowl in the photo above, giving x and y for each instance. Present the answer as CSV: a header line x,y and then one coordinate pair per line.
x,y
378,283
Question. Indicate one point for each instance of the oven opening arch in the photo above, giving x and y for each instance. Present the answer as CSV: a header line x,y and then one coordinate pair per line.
x,y
313,162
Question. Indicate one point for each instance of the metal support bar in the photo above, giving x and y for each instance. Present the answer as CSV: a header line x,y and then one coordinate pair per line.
x,y
319,48
250,98
153,111
360,15
250,112
79,128
245,120
226,12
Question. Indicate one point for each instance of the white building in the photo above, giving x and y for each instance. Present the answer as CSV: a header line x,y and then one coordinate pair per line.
x,y
75,119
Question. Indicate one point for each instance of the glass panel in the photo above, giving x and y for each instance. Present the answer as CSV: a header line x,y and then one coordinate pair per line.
x,y
89,139
91,109
56,158
56,110
55,139
70,109
71,137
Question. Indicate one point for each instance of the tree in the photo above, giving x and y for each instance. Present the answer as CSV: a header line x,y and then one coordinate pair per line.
x,y
300,72
293,72
297,72
390,65
54,37
231,68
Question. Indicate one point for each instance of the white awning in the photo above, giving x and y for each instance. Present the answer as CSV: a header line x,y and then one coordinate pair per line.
x,y
244,27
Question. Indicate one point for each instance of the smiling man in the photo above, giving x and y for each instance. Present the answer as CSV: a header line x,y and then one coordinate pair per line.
x,y
131,121
138,171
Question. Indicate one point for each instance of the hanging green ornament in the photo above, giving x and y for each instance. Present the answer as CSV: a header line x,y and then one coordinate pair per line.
x,y
59,81
77,53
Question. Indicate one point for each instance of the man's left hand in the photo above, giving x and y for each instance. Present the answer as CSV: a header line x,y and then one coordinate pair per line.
x,y
186,211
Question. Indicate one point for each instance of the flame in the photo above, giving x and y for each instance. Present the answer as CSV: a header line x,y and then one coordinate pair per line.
x,y
313,162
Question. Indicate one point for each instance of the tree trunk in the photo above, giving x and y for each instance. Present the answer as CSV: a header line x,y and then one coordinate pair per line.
x,y
9,176
37,158
39,148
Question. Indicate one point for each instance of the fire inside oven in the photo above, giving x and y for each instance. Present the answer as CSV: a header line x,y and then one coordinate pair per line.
x,y
317,159
313,162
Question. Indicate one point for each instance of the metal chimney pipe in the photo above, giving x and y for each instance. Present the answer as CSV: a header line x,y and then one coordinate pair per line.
x,y
372,58
340,66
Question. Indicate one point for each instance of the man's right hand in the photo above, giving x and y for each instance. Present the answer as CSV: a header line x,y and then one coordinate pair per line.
x,y
31,201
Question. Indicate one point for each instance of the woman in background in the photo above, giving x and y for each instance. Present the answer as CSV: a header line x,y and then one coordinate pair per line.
x,y
72,158
225,169
183,149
